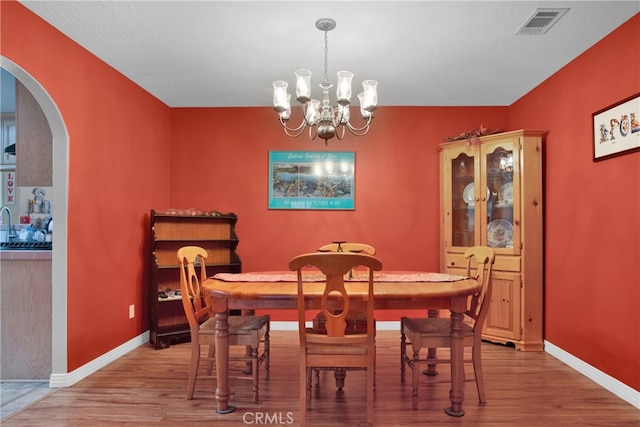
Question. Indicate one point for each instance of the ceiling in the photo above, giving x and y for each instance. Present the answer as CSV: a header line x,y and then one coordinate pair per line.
x,y
423,53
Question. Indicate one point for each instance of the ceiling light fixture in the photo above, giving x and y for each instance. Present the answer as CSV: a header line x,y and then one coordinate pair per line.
x,y
323,119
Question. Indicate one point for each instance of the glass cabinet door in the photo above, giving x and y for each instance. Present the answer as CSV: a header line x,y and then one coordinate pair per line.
x,y
501,209
461,212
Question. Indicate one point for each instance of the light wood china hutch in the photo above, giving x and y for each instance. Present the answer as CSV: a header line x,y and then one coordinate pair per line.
x,y
492,195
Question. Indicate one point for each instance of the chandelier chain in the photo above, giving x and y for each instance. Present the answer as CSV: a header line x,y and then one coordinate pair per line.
x,y
326,56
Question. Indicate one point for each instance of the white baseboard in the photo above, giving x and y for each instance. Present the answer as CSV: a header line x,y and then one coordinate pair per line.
x,y
605,381
69,379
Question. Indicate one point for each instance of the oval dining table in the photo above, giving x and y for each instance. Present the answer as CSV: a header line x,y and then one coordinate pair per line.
x,y
393,291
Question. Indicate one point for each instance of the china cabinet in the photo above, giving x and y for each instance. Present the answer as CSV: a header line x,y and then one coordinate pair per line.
x,y
492,195
170,230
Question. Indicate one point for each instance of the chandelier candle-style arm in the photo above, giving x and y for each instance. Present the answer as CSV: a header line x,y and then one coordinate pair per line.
x,y
323,119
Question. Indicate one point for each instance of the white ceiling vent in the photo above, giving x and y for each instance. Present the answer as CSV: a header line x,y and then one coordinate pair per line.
x,y
541,21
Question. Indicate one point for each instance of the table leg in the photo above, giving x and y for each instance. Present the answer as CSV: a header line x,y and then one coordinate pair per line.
x,y
457,366
222,363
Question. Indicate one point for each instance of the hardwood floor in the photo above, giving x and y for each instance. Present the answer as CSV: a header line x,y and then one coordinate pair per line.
x,y
147,387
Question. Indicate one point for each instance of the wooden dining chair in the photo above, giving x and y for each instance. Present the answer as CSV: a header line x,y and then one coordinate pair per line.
x,y
431,333
348,247
247,331
356,320
334,347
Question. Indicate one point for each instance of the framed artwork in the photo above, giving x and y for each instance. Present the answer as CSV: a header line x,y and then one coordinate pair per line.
x,y
311,180
616,129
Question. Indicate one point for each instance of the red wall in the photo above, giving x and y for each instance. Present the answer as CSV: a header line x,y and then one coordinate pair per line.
x,y
220,162
118,163
592,249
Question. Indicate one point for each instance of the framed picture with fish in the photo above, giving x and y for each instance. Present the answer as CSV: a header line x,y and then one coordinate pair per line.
x,y
311,180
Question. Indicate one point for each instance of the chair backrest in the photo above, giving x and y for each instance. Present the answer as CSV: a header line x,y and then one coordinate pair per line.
x,y
348,247
194,306
482,258
334,265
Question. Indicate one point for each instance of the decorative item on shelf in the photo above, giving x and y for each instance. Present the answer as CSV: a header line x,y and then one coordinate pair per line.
x,y
192,212
472,135
323,119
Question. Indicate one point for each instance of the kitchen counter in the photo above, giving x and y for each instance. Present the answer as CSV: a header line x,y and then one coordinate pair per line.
x,y
25,275
25,254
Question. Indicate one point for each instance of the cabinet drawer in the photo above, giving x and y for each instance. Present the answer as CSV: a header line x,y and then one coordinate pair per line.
x,y
503,263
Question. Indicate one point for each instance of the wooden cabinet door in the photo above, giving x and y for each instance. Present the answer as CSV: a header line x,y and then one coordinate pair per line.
x,y
34,142
459,175
504,316
499,192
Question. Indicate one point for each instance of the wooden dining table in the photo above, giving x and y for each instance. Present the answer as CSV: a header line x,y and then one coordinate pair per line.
x,y
393,291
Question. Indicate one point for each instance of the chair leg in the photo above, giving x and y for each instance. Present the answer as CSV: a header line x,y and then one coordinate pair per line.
x,y
304,392
248,366
403,350
193,369
375,369
371,373
477,370
255,373
210,358
339,374
267,353
415,372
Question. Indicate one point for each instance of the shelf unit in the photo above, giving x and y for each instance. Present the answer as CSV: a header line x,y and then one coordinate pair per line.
x,y
169,231
492,195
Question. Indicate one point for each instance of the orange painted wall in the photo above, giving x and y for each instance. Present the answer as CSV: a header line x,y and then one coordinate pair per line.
x,y
118,163
592,251
219,162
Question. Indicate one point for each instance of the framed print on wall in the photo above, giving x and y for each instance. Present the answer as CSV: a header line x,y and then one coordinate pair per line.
x,y
311,180
616,129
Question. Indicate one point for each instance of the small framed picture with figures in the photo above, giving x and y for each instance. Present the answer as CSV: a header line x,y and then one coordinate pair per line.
x,y
616,129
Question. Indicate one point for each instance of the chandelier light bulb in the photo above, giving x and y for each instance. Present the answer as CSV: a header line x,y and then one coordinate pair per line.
x,y
343,91
370,95
280,98
303,85
286,114
365,114
313,112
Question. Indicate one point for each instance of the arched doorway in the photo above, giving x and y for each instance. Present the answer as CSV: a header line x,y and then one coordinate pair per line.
x,y
59,252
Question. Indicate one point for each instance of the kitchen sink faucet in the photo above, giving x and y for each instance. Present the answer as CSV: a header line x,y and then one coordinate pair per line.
x,y
10,232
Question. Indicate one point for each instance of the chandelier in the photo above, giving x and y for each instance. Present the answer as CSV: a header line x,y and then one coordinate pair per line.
x,y
323,119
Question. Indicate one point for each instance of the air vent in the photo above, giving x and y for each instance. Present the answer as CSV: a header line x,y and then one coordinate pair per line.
x,y
541,21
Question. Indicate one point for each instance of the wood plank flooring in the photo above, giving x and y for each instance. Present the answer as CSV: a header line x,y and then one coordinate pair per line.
x,y
147,388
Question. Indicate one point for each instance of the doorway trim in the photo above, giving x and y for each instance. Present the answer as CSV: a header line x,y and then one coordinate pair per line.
x,y
60,198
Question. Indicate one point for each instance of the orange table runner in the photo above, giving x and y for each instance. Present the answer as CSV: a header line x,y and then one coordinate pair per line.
x,y
357,277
